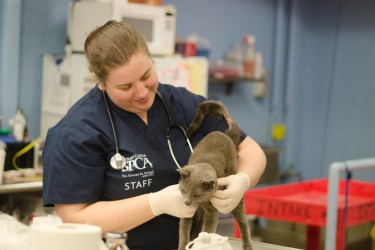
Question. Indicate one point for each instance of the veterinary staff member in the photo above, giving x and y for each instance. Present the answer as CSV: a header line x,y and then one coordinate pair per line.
x,y
127,114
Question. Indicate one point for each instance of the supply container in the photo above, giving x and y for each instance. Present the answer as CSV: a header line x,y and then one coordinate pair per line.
x,y
306,202
2,160
202,45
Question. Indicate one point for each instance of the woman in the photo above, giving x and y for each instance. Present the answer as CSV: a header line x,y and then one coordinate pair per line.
x,y
128,113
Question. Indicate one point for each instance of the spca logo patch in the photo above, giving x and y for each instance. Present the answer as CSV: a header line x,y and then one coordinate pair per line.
x,y
137,162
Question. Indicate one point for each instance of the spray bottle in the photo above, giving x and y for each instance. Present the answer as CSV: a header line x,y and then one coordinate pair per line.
x,y
18,124
249,58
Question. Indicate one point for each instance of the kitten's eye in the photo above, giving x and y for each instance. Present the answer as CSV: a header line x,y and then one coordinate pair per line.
x,y
197,195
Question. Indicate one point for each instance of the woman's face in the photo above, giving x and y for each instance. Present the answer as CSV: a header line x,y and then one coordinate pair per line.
x,y
133,86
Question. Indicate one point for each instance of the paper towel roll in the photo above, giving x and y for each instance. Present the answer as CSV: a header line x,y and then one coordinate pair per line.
x,y
65,236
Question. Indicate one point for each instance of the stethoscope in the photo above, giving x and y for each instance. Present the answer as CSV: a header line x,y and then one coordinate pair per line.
x,y
118,161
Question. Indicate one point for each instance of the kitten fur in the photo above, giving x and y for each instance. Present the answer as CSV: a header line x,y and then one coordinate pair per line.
x,y
214,157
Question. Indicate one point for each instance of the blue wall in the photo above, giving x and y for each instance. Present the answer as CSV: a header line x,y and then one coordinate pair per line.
x,y
10,16
320,55
224,23
332,78
43,31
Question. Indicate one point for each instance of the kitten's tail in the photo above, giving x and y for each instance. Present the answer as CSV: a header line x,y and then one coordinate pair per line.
x,y
234,132
216,109
212,108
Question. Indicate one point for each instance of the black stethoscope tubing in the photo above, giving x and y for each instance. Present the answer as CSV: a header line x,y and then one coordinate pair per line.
x,y
118,161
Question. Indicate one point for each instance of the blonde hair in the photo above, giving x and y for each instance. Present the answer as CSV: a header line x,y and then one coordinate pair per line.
x,y
112,45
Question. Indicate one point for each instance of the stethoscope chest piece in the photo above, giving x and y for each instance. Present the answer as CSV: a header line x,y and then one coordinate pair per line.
x,y
118,161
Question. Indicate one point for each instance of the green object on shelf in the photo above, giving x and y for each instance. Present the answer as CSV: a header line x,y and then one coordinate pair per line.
x,y
4,131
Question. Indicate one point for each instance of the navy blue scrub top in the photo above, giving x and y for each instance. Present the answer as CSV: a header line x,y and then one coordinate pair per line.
x,y
78,149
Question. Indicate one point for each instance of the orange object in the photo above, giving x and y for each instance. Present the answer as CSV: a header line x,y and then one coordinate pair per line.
x,y
249,69
149,2
306,202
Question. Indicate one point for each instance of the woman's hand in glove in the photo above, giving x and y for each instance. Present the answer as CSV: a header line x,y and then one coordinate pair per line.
x,y
169,201
234,188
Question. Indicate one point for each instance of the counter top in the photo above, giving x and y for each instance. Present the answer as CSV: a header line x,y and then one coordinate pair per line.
x,y
237,245
21,187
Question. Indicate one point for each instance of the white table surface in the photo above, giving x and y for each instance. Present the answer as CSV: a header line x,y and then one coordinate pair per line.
x,y
237,245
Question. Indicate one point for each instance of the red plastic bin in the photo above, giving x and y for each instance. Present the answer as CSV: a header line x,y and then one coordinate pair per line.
x,y
306,202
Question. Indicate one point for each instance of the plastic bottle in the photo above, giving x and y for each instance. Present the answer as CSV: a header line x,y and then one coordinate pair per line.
x,y
18,124
249,59
258,68
234,60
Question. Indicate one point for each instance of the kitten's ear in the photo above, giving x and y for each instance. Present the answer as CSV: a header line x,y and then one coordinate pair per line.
x,y
208,185
185,173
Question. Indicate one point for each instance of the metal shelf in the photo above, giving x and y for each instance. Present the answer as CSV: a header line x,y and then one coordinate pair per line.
x,y
21,187
230,81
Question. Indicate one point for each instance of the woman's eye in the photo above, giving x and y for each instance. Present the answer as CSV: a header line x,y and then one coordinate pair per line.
x,y
126,87
145,77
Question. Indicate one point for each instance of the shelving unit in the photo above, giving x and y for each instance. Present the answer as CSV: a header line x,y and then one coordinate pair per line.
x,y
21,187
22,200
230,81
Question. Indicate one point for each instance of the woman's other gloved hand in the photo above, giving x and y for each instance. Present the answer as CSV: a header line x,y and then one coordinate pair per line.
x,y
169,201
235,187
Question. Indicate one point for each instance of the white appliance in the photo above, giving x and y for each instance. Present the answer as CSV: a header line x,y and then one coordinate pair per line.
x,y
66,79
156,23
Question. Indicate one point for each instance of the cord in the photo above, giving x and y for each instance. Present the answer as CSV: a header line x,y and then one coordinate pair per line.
x,y
22,152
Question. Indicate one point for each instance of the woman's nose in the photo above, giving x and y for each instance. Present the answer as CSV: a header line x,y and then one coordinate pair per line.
x,y
140,89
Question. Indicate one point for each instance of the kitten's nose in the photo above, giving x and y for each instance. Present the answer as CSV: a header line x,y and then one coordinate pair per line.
x,y
188,203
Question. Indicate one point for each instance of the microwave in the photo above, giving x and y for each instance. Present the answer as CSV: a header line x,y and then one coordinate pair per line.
x,y
157,24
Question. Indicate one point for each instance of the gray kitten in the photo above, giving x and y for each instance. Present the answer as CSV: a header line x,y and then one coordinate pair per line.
x,y
215,156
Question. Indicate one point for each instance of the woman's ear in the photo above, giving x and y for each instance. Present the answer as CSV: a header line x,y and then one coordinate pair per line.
x,y
101,86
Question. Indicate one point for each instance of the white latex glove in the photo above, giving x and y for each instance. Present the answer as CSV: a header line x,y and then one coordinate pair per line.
x,y
169,201
235,187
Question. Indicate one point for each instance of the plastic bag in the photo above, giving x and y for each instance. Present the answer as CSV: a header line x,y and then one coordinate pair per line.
x,y
209,241
13,234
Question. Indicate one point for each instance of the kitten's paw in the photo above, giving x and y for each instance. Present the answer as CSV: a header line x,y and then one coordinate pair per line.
x,y
182,246
247,247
